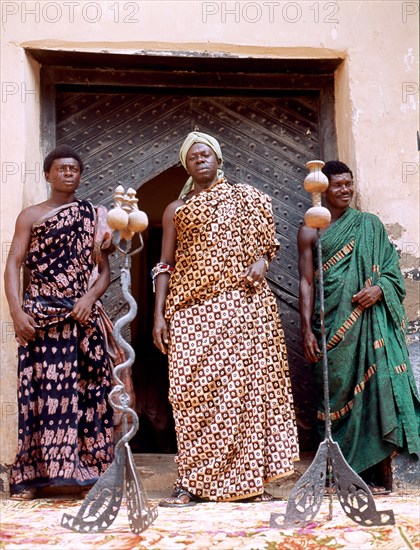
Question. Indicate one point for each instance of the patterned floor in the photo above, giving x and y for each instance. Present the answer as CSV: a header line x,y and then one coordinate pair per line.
x,y
239,526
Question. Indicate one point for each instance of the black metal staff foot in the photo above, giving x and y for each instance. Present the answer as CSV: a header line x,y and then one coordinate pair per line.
x,y
353,493
140,514
102,503
306,497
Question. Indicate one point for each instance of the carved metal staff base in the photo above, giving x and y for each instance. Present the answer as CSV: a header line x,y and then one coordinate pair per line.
x,y
352,492
102,503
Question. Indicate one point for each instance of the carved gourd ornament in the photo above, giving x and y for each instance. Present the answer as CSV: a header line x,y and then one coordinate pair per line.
x,y
316,182
126,217
117,218
137,219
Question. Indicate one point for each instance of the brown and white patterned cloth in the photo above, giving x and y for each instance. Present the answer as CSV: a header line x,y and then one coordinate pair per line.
x,y
229,381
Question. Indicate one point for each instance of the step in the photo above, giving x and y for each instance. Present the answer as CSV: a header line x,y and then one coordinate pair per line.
x,y
158,473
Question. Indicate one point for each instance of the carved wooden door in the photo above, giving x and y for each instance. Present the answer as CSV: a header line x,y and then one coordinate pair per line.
x,y
134,138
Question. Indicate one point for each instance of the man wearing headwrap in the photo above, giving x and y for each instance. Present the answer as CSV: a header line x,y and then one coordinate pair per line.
x,y
217,319
190,140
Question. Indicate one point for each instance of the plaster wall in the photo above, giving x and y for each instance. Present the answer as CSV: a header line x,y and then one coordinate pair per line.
x,y
377,99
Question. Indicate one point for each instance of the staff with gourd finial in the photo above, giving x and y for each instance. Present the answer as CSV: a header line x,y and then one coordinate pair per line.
x,y
103,501
353,494
318,217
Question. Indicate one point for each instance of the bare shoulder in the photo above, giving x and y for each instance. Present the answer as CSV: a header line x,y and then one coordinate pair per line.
x,y
172,207
30,214
306,235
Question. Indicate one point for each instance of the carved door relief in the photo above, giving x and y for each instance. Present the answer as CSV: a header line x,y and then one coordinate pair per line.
x,y
133,138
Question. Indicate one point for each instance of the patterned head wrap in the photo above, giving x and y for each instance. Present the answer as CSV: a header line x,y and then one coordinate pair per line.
x,y
200,137
190,140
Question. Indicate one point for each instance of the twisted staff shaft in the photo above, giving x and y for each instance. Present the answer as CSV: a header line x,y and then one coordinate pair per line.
x,y
119,390
103,501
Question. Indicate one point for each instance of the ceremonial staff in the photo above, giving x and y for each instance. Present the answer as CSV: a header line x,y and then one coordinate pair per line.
x,y
352,492
102,503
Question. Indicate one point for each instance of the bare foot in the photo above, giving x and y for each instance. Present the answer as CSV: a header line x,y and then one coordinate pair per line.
x,y
264,497
378,489
179,499
26,494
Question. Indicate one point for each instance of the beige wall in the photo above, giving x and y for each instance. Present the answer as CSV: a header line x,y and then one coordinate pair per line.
x,y
376,97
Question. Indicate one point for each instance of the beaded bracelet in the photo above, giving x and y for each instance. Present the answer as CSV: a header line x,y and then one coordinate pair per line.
x,y
159,268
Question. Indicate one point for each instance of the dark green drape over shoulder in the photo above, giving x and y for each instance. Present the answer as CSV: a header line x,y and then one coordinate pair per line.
x,y
374,402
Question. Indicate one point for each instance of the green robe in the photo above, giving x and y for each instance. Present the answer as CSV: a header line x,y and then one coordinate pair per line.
x,y
374,402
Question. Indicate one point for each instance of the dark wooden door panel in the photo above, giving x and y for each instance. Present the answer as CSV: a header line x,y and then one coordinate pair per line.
x,y
131,138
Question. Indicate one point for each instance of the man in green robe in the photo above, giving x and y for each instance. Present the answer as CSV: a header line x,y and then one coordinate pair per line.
x,y
374,402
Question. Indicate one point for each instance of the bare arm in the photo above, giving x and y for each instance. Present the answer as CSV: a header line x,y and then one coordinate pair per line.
x,y
160,327
24,324
306,241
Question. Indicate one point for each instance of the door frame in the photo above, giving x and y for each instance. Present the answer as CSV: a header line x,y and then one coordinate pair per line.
x,y
181,74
